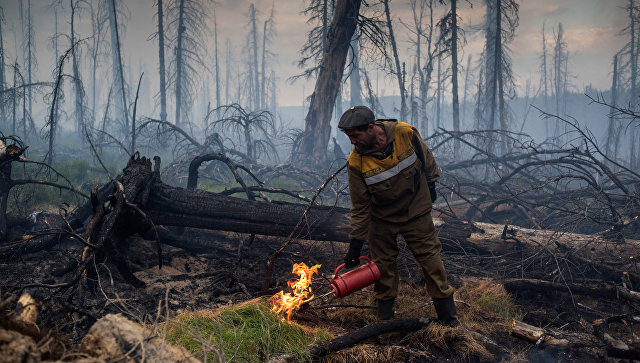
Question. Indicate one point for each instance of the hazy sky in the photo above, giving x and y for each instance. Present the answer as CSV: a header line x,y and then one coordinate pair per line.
x,y
591,27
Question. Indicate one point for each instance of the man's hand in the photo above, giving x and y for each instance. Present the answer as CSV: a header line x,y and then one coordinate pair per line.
x,y
432,191
352,259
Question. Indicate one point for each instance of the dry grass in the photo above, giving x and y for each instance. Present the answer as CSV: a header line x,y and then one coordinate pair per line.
x,y
487,307
483,306
453,341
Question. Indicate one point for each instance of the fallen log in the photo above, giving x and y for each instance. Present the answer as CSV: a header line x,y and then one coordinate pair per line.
x,y
323,348
601,290
382,327
172,206
600,339
535,335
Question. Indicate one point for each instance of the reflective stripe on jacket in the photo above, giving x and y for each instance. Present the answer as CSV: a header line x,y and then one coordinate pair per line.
x,y
392,185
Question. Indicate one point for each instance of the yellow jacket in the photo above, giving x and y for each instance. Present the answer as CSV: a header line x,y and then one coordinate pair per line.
x,y
391,185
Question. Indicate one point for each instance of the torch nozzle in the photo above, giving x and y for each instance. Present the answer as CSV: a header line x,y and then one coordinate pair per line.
x,y
319,296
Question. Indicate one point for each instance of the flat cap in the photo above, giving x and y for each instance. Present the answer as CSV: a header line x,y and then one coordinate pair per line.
x,y
356,116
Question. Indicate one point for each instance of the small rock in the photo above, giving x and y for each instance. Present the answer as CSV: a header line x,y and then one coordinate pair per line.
x,y
27,309
114,337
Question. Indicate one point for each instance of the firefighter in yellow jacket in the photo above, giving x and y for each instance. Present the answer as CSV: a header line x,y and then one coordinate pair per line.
x,y
392,175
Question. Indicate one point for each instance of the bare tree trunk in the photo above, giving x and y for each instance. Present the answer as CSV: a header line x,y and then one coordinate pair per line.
x,y
545,81
426,73
24,108
29,55
557,66
412,94
403,101
162,70
118,73
133,117
439,91
467,79
3,80
215,39
227,78
5,185
454,75
53,114
313,144
179,63
492,74
77,83
274,104
14,97
354,77
610,144
418,23
254,43
325,24
95,38
263,100
633,59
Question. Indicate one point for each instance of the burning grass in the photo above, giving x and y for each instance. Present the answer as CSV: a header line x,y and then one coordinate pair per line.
x,y
246,332
286,303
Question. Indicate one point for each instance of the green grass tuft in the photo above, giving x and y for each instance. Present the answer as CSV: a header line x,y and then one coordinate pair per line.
x,y
248,332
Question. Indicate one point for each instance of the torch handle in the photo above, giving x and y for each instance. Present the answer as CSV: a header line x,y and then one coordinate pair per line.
x,y
341,266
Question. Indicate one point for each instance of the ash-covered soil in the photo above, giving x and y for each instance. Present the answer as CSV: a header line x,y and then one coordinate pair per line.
x,y
226,271
229,268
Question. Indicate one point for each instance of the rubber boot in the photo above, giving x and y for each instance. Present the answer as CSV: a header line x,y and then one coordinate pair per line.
x,y
446,311
385,309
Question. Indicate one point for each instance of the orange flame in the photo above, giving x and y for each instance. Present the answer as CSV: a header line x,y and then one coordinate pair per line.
x,y
285,303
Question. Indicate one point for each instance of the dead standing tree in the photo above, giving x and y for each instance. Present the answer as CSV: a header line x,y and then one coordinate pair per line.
x,y
313,144
187,24
245,124
13,153
398,72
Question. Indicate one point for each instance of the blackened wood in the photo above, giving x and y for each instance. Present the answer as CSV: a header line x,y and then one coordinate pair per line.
x,y
200,209
607,291
394,325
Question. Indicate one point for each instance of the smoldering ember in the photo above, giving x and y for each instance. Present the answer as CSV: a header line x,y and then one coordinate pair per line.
x,y
334,181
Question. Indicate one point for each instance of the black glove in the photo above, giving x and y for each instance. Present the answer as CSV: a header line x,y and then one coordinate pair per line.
x,y
432,191
352,259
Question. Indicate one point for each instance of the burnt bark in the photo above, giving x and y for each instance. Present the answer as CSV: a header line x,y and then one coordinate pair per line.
x,y
373,330
7,154
313,144
171,206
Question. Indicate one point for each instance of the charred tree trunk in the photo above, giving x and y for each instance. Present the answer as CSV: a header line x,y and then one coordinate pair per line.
x,y
170,206
161,70
313,144
465,93
77,83
215,39
118,73
544,80
355,85
3,80
612,131
254,54
454,75
179,63
7,155
403,101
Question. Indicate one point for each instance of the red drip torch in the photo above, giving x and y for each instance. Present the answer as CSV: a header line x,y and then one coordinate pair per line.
x,y
353,280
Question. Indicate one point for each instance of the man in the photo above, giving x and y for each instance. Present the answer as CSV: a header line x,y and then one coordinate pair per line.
x,y
392,175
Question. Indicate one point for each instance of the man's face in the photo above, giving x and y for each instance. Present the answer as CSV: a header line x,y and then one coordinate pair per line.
x,y
362,139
